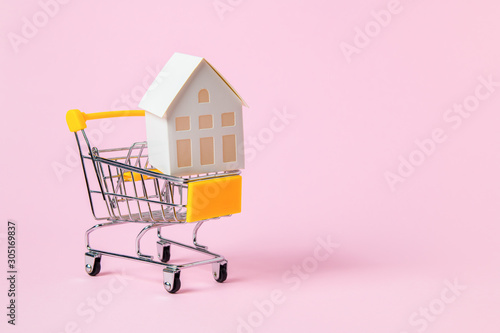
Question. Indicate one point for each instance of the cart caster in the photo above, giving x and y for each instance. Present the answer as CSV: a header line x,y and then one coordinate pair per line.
x,y
171,280
219,270
92,263
163,248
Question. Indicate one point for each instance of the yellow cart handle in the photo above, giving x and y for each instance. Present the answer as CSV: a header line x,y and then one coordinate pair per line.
x,y
77,119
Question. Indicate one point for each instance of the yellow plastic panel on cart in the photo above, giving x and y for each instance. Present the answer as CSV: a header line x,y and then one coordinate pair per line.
x,y
213,197
127,176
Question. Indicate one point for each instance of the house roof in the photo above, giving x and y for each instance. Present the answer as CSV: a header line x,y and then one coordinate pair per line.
x,y
170,81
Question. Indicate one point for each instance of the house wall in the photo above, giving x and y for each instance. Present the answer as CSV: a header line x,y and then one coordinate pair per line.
x,y
158,144
222,100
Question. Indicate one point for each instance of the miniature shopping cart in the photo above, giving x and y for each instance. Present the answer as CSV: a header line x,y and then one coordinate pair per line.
x,y
132,191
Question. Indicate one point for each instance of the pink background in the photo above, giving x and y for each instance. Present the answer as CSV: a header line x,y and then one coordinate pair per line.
x,y
319,175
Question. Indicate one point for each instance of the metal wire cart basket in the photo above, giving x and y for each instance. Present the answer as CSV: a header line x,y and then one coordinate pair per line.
x,y
132,191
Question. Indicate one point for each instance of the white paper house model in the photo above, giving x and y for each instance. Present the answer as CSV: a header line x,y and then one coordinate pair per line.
x,y
194,119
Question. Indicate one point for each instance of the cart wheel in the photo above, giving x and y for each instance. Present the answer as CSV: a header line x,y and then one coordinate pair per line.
x,y
219,270
163,251
92,263
171,280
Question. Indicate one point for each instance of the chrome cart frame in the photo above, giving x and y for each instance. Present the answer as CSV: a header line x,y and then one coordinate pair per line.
x,y
132,191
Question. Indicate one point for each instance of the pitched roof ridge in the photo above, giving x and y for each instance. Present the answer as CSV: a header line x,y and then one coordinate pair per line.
x,y
171,81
